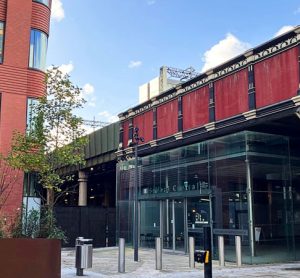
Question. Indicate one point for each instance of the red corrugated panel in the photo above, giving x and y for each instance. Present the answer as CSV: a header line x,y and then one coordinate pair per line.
x,y
167,119
145,124
195,108
125,133
40,17
3,9
277,78
231,95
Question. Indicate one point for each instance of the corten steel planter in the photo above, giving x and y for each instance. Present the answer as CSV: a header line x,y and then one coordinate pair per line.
x,y
30,258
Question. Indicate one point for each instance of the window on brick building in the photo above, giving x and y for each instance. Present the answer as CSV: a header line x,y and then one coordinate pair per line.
x,y
45,2
30,113
1,40
38,49
0,105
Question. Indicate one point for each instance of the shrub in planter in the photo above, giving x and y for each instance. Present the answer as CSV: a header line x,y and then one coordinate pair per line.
x,y
34,250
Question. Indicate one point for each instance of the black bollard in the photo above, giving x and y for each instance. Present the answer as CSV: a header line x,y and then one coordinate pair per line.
x,y
207,248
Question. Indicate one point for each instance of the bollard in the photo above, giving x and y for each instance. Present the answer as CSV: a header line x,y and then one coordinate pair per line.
x,y
191,252
121,265
238,251
158,253
207,248
221,250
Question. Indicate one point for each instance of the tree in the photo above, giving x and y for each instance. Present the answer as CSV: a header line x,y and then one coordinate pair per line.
x,y
55,136
8,177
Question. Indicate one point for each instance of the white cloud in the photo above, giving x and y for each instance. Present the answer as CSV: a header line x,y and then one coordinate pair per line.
x,y
57,10
66,68
283,30
105,116
88,129
88,89
151,2
134,64
224,50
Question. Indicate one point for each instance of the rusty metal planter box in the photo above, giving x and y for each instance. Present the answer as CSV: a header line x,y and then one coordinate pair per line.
x,y
30,258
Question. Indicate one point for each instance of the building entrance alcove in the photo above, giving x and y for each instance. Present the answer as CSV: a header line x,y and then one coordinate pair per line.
x,y
242,184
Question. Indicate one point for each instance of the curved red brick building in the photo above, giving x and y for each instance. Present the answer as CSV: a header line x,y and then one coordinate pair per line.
x,y
24,30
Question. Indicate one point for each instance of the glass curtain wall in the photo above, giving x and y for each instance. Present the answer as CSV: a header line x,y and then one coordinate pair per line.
x,y
295,163
227,173
238,184
269,164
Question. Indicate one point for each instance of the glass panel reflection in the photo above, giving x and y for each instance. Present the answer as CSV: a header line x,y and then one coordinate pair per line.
x,y
1,41
38,49
45,2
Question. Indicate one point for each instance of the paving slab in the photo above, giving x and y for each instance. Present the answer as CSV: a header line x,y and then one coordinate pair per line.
x,y
105,264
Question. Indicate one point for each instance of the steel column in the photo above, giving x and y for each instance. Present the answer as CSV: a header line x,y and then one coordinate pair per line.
x,y
250,207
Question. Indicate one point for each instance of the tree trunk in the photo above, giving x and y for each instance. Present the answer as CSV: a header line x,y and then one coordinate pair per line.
x,y
50,198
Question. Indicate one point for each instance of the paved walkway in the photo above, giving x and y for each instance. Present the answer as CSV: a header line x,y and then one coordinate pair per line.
x,y
105,264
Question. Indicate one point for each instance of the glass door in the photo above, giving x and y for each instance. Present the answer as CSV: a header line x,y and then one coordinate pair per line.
x,y
149,223
178,225
168,224
198,215
173,223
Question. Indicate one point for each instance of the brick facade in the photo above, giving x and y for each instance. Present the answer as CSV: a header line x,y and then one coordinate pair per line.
x,y
17,81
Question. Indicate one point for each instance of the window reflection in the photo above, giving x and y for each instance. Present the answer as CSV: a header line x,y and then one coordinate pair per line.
x,y
1,41
31,102
45,2
38,49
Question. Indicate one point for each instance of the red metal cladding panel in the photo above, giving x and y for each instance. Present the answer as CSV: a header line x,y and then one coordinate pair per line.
x,y
145,124
195,108
138,121
231,95
148,126
125,133
277,78
40,17
167,119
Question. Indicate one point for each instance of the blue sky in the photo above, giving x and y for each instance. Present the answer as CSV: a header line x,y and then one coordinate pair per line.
x,y
111,47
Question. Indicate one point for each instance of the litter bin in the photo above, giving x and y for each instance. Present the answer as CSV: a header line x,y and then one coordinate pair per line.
x,y
84,254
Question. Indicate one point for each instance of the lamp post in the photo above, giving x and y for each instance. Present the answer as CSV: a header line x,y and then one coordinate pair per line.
x,y
136,140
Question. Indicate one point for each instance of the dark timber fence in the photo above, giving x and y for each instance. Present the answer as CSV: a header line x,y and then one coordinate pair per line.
x,y
89,222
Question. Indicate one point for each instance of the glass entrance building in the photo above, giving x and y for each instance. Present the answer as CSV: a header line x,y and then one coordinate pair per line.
x,y
245,184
